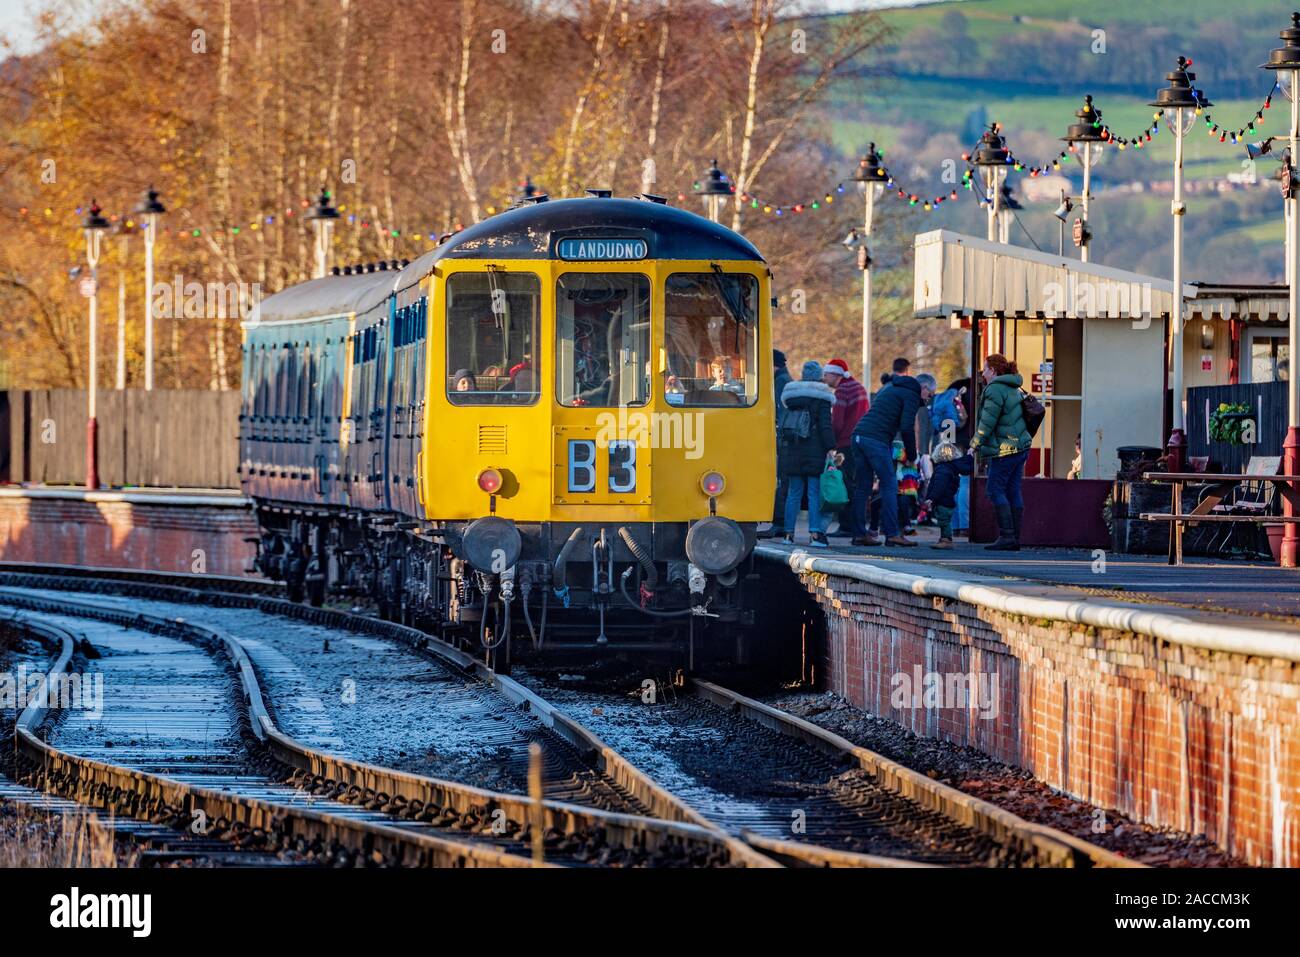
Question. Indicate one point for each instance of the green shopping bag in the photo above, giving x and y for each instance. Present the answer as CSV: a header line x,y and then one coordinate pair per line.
x,y
835,493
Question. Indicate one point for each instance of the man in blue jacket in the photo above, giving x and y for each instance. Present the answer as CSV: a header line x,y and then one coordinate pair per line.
x,y
892,413
780,379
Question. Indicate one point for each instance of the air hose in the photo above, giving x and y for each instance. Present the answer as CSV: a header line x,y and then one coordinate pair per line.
x,y
622,587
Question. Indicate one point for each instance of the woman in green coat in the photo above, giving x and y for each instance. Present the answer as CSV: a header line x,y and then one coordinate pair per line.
x,y
1001,437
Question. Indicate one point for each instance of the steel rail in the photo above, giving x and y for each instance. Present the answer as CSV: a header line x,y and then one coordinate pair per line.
x,y
1046,845
661,802
671,837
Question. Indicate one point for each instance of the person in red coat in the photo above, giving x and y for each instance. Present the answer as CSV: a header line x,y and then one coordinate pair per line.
x,y
851,404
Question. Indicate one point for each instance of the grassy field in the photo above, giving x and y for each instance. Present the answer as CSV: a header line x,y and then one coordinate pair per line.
x,y
991,18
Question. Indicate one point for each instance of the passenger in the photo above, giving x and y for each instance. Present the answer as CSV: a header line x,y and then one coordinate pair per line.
x,y
719,371
950,466
805,439
674,391
780,379
1002,437
463,381
892,413
525,366
851,404
1076,466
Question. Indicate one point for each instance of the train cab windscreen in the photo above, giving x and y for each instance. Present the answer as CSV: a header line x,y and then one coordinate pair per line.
x,y
711,339
602,328
493,322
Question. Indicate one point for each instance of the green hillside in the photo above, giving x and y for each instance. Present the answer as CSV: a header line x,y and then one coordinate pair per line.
x,y
949,68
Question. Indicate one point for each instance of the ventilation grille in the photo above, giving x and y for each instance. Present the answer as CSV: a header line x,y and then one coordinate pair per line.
x,y
491,440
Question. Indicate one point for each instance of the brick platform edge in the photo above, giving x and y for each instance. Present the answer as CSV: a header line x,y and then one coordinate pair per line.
x,y
1175,724
124,530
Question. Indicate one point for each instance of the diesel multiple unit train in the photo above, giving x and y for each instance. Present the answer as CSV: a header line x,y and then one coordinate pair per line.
x,y
559,419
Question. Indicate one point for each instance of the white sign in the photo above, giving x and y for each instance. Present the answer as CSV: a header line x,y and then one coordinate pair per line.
x,y
88,287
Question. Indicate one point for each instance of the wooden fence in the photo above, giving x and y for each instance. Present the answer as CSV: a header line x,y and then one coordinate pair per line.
x,y
161,439
1267,400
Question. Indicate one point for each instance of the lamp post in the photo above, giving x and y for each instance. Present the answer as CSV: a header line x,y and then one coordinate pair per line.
x,y
123,232
1008,204
1085,142
94,226
1179,102
715,190
871,177
322,217
149,209
991,157
1286,62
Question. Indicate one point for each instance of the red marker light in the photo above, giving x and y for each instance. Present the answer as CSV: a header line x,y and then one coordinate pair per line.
x,y
713,483
489,480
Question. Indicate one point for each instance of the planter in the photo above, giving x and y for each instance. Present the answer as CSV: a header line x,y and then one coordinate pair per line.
x,y
1275,530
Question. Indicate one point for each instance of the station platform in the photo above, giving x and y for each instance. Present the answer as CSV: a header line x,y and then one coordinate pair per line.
x,y
162,529
1169,693
1217,587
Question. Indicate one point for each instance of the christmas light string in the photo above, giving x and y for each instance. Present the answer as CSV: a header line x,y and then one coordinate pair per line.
x,y
1225,134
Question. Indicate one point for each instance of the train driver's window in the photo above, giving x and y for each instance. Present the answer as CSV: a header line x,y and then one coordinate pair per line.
x,y
602,332
493,349
711,339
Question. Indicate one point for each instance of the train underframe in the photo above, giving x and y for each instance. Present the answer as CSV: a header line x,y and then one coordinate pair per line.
x,y
567,589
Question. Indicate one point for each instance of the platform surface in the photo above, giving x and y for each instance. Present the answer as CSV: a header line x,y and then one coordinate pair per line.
x,y
1216,587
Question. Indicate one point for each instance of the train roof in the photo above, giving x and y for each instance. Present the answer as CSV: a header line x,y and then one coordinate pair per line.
x,y
533,231
530,231
328,296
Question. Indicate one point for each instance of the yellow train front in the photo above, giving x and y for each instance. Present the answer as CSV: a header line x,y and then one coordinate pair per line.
x,y
556,433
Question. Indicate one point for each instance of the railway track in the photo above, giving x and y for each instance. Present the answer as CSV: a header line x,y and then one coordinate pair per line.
x,y
722,763
806,797
282,796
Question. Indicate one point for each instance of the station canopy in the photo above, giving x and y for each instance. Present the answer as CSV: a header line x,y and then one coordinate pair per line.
x,y
958,275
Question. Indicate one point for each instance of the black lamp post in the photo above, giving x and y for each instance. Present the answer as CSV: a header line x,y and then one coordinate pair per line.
x,y
1285,64
94,226
715,190
1179,103
1086,141
992,158
322,217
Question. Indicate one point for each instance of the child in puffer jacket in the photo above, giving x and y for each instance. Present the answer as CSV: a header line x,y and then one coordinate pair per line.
x,y
949,466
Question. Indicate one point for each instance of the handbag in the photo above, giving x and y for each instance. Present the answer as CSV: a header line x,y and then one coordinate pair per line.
x,y
1031,407
835,493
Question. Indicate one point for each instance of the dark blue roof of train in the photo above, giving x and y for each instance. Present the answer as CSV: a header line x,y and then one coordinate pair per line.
x,y
532,231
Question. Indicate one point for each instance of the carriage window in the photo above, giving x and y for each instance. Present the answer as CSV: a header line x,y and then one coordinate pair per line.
x,y
602,333
492,346
711,339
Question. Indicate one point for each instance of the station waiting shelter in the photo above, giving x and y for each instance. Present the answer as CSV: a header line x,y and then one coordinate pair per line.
x,y
1093,343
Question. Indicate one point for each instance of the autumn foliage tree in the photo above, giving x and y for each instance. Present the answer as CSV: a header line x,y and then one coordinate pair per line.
x,y
421,116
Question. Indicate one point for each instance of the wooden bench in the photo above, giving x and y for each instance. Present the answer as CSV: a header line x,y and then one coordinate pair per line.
x,y
1218,488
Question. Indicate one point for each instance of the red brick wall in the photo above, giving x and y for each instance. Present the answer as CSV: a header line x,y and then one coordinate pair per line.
x,y
70,531
1202,741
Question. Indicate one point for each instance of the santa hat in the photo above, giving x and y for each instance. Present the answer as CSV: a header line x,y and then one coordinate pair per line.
x,y
839,367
